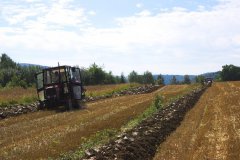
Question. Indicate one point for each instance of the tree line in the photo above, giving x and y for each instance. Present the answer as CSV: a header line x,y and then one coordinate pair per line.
x,y
228,73
13,74
95,75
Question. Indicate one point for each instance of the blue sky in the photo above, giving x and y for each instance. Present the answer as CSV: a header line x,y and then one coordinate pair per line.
x,y
162,36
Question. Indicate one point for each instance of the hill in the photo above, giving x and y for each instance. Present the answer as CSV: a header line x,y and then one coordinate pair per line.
x,y
30,65
180,78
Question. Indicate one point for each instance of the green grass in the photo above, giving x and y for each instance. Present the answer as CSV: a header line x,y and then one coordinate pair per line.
x,y
17,95
100,137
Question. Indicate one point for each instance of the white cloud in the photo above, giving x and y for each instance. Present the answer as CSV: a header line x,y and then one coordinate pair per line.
x,y
144,13
57,13
139,5
31,1
174,41
92,13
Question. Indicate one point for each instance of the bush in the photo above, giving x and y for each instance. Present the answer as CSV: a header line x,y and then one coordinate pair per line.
x,y
158,102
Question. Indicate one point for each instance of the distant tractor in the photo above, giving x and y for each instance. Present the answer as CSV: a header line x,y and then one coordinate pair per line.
x,y
208,81
59,86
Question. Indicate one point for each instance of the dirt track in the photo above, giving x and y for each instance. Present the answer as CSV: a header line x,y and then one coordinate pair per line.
x,y
47,133
211,130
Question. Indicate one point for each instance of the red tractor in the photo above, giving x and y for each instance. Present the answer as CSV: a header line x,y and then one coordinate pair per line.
x,y
59,86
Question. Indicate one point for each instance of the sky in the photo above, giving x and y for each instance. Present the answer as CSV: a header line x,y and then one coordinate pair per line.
x,y
161,36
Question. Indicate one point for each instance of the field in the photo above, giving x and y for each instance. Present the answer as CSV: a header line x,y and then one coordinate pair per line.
x,y
98,90
18,95
9,96
46,134
211,130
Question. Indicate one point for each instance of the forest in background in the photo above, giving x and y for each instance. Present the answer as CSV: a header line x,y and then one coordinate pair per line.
x,y
14,74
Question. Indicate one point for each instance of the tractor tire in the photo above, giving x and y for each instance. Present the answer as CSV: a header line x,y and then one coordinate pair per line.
x,y
79,104
69,104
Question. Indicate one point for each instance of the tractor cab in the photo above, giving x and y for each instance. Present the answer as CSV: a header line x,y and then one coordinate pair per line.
x,y
208,81
60,85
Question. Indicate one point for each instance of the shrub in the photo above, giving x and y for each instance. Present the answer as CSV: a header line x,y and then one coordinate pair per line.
x,y
158,102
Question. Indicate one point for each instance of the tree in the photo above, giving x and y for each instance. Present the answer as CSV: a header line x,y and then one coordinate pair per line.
x,y
160,79
8,69
97,75
26,73
117,79
174,80
7,62
17,81
109,78
186,79
200,79
140,79
122,78
148,78
85,76
6,76
230,73
133,77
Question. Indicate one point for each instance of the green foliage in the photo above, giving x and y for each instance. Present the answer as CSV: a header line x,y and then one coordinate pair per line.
x,y
160,80
230,73
17,81
158,102
174,80
95,75
100,137
6,62
147,113
218,77
200,79
12,74
186,79
148,78
122,78
133,77
6,75
22,100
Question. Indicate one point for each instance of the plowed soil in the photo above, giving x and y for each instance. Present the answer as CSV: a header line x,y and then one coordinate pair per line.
x,y
47,133
211,130
140,143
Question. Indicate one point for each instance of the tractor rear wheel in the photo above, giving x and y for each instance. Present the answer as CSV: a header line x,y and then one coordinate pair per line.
x,y
69,104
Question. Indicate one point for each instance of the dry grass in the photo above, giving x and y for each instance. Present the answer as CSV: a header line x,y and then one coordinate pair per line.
x,y
211,130
18,95
172,92
98,90
9,96
48,134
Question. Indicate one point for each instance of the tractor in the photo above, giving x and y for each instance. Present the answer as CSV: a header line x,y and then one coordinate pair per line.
x,y
208,81
60,86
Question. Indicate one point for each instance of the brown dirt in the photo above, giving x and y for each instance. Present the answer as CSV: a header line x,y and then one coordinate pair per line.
x,y
211,130
47,133
141,142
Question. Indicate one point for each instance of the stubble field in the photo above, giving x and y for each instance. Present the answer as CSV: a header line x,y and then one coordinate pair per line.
x,y
46,134
211,130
